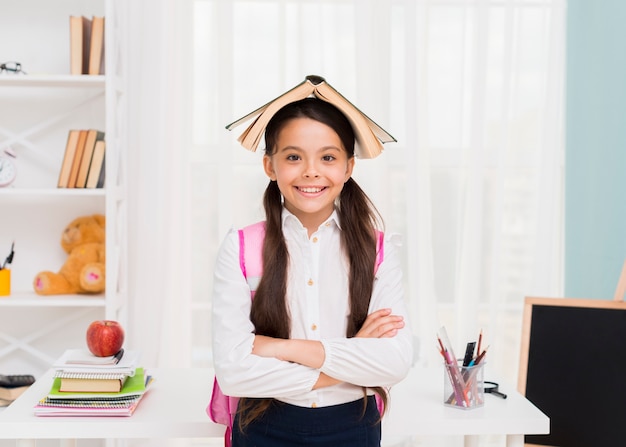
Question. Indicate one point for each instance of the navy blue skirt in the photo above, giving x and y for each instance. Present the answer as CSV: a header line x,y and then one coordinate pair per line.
x,y
284,425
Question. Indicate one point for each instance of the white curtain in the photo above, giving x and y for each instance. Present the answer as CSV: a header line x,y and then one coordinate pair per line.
x,y
472,90
158,182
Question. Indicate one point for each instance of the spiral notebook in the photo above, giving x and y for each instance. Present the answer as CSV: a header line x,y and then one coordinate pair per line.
x,y
81,361
48,407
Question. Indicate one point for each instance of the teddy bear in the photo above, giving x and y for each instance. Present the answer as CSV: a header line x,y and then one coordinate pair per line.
x,y
84,269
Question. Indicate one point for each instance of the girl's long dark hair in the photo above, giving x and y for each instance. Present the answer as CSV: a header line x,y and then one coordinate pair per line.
x,y
359,220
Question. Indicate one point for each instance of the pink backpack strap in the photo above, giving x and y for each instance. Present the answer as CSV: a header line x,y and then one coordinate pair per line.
x,y
222,408
251,253
380,249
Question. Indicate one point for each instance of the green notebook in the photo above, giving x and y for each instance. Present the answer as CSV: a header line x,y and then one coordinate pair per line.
x,y
134,386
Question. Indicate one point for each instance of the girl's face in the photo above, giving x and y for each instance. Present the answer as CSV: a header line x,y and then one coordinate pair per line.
x,y
310,166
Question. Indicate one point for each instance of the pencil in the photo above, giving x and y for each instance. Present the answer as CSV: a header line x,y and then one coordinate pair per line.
x,y
480,356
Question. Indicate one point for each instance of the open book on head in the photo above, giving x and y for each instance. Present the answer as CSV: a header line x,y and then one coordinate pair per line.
x,y
369,135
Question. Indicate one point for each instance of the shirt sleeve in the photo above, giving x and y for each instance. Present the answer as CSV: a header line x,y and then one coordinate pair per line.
x,y
238,371
376,361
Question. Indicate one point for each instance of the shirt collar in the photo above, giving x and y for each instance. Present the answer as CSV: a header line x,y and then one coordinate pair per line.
x,y
290,220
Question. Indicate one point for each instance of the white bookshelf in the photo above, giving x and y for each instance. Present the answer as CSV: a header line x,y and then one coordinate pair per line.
x,y
36,112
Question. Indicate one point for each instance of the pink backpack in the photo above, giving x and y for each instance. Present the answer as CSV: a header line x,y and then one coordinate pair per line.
x,y
222,408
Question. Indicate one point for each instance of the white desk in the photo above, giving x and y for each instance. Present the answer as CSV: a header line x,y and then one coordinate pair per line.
x,y
175,408
417,409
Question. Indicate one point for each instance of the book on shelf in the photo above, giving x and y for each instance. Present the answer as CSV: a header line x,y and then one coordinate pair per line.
x,y
83,158
80,37
97,170
68,158
369,135
96,47
87,46
78,156
93,136
122,403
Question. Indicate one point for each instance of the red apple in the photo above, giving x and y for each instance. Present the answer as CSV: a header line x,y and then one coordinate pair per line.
x,y
105,337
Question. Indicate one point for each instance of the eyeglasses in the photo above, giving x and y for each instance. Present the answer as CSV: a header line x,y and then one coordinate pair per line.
x,y
11,67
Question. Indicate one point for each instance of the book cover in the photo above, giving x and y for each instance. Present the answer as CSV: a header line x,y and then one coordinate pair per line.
x,y
91,385
97,166
76,45
369,136
68,158
78,156
96,50
80,37
102,177
86,45
93,135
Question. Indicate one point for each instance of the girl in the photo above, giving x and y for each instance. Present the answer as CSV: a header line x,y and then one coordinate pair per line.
x,y
324,332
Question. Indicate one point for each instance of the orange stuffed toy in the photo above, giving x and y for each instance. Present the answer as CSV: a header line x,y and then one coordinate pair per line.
x,y
84,270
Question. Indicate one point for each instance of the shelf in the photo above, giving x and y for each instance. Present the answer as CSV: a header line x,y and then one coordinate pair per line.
x,y
91,81
31,299
39,109
60,192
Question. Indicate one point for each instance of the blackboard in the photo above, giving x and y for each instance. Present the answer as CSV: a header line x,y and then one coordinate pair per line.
x,y
573,368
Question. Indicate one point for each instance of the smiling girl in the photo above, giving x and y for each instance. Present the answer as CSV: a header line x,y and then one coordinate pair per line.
x,y
327,328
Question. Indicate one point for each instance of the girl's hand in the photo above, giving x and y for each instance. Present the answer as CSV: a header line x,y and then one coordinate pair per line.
x,y
381,324
305,352
266,346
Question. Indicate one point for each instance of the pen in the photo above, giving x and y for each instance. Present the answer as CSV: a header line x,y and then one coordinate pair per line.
x,y
117,357
480,341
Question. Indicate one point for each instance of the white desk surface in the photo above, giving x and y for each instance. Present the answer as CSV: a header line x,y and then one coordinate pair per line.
x,y
175,406
417,408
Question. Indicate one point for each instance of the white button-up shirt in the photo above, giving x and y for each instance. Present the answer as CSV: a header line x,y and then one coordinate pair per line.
x,y
317,299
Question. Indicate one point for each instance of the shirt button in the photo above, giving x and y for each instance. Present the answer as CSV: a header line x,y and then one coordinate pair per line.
x,y
314,240
313,405
314,327
310,282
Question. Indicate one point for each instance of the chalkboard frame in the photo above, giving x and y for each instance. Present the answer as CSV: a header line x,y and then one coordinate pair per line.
x,y
533,350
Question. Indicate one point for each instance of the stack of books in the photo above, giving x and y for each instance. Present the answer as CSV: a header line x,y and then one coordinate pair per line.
x,y
86,385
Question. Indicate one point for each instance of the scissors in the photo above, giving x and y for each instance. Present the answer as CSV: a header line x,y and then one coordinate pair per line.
x,y
492,388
